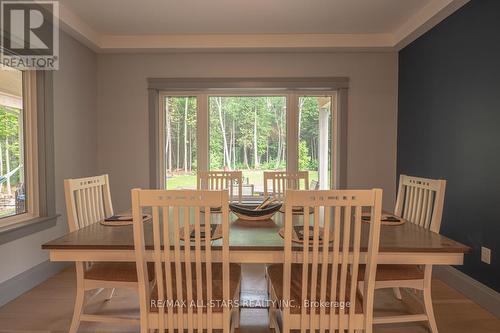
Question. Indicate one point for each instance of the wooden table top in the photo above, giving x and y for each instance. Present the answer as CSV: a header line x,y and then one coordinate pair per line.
x,y
258,236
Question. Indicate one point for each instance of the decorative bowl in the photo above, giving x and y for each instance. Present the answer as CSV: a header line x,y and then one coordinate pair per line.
x,y
248,212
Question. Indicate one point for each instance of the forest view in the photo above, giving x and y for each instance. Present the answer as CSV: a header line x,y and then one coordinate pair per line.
x,y
11,162
246,133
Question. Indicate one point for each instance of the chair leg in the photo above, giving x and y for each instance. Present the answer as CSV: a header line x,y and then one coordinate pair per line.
x,y
80,298
271,318
271,310
77,312
237,318
428,299
111,294
397,293
361,287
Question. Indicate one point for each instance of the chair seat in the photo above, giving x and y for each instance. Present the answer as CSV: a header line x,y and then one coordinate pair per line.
x,y
116,271
275,273
394,272
217,292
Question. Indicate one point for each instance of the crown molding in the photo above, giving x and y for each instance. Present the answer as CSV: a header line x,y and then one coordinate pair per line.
x,y
77,28
419,23
236,42
424,20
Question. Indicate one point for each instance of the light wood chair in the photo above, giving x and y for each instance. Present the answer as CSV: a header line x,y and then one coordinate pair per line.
x,y
193,274
281,181
328,268
221,180
248,190
419,201
314,185
88,201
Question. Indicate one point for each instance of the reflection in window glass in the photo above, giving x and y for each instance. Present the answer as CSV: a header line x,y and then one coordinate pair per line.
x,y
12,176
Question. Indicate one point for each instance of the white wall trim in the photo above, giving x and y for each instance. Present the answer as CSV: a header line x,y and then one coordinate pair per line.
x,y
78,29
267,42
473,289
28,279
408,31
424,20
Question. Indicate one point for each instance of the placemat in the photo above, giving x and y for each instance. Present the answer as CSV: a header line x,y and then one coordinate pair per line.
x,y
216,230
120,220
295,234
386,219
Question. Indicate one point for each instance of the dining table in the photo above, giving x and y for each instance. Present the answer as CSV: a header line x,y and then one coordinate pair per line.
x,y
258,242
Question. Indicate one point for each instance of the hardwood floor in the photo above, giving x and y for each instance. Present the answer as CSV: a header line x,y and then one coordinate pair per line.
x,y
48,309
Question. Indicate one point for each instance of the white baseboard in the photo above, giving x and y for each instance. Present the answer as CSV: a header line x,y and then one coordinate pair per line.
x,y
472,289
29,279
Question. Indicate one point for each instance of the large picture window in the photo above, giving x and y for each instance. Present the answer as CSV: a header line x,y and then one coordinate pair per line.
x,y
248,131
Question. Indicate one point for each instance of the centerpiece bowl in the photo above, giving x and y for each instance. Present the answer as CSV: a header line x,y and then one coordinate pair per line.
x,y
250,213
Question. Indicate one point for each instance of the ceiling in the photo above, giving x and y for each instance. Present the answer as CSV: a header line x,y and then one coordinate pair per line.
x,y
110,25
123,17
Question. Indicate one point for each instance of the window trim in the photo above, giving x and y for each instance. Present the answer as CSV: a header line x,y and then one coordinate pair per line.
x,y
338,126
38,96
30,141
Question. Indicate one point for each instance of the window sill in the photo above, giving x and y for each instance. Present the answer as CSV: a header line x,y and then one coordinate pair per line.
x,y
25,227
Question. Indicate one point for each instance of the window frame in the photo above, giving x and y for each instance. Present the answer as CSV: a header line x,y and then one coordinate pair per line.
x,y
41,212
30,149
337,160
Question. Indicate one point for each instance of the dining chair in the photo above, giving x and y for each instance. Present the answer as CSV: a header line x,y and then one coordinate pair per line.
x,y
281,181
248,190
318,291
192,281
88,201
221,180
419,201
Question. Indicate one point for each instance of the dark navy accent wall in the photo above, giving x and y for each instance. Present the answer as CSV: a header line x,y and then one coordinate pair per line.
x,y
449,126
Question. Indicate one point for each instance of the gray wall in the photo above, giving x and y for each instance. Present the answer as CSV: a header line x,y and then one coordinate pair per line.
x,y
123,118
75,139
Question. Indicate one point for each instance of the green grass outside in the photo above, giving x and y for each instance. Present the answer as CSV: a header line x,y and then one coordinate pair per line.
x,y
254,177
4,212
181,181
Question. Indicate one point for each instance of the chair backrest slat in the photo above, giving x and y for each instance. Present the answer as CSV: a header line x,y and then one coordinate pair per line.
x,y
330,260
221,180
208,258
183,272
420,201
176,261
88,200
284,180
305,269
324,266
355,268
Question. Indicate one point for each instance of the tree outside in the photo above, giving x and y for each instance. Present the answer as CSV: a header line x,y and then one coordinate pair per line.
x,y
315,135
11,160
180,141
